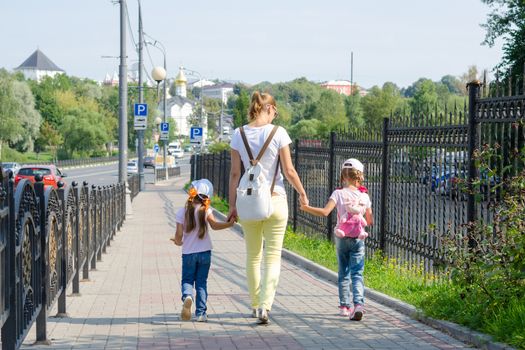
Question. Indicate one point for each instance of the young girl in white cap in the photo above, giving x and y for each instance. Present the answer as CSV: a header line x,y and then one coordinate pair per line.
x,y
350,200
192,234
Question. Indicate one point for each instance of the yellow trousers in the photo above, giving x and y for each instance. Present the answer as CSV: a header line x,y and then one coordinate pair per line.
x,y
271,231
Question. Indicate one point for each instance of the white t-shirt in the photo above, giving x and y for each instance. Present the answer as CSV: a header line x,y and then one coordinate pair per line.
x,y
343,195
256,137
191,243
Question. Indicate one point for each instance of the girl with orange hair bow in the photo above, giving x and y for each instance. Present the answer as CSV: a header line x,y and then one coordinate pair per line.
x,y
192,234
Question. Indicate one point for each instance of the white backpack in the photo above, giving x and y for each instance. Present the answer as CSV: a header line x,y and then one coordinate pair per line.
x,y
254,196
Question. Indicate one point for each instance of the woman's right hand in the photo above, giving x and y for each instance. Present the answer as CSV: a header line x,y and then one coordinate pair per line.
x,y
232,215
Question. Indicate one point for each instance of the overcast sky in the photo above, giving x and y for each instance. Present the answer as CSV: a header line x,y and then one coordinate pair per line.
x,y
253,41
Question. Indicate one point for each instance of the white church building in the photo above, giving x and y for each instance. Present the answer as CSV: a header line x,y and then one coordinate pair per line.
x,y
37,66
180,108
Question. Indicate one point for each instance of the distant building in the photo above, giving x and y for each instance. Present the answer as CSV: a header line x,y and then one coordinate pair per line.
x,y
219,91
38,66
343,87
201,83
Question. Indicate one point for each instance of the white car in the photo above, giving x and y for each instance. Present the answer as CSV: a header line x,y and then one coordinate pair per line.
x,y
11,166
133,167
177,153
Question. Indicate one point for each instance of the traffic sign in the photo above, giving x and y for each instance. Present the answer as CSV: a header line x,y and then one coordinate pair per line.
x,y
196,134
164,131
141,109
156,148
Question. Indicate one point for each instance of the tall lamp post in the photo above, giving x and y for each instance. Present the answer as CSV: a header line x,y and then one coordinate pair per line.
x,y
194,72
159,74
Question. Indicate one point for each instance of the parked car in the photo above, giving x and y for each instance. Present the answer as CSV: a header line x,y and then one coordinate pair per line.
x,y
149,162
51,174
177,153
133,167
11,166
455,186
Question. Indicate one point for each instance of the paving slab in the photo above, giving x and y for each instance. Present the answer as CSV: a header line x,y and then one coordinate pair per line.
x,y
132,300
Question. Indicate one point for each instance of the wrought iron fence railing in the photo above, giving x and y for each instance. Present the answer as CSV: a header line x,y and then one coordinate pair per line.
x,y
47,237
421,174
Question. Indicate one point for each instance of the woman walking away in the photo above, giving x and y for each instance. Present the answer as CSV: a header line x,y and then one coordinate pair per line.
x,y
352,202
246,141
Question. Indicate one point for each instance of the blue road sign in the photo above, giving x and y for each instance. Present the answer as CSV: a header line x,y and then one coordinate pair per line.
x,y
195,134
165,127
141,109
156,148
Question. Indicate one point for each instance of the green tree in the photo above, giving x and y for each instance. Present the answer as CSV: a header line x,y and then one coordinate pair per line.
x,y
10,127
452,83
49,138
240,110
329,110
84,132
380,103
27,115
425,96
507,21
305,129
354,111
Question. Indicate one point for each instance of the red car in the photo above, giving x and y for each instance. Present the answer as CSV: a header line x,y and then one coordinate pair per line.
x,y
52,175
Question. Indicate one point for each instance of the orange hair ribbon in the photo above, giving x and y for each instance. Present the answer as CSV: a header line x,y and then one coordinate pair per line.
x,y
192,193
206,203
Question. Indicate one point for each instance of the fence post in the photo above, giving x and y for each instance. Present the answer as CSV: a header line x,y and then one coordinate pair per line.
x,y
331,168
41,320
94,224
87,226
473,93
76,278
295,164
384,188
9,328
61,312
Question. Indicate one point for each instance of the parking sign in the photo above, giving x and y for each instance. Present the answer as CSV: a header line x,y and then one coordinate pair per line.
x,y
196,134
141,109
141,116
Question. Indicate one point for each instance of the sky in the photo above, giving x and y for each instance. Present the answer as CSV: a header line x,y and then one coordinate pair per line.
x,y
253,41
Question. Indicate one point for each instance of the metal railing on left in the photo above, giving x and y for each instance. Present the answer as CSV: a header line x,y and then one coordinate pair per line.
x,y
48,237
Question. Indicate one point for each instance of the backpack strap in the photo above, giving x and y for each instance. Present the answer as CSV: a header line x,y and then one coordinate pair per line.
x,y
261,152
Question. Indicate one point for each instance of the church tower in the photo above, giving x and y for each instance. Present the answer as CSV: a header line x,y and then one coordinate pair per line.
x,y
181,83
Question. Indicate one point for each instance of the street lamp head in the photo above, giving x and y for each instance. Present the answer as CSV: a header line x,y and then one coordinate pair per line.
x,y
158,74
158,120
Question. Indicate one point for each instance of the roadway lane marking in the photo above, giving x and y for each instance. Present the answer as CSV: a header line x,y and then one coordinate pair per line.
x,y
92,174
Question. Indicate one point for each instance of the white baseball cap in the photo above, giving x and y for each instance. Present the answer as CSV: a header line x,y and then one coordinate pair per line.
x,y
353,163
203,186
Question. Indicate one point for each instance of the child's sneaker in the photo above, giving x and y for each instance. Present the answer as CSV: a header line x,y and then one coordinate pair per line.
x,y
186,308
357,313
255,313
202,318
344,311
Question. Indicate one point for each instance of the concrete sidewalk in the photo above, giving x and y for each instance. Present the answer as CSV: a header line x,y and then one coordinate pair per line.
x,y
132,300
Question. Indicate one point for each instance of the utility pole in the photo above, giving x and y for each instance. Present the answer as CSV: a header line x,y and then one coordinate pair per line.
x,y
140,133
352,73
123,99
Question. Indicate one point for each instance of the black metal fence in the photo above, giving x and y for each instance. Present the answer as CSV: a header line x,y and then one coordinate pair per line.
x,y
47,238
420,173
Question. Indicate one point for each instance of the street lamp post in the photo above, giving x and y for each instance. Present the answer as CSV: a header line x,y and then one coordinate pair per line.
x,y
194,72
161,47
159,74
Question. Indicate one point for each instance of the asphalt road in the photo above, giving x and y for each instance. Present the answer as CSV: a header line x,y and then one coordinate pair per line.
x,y
108,174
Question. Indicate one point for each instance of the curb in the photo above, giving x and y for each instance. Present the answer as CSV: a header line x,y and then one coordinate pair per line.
x,y
459,332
